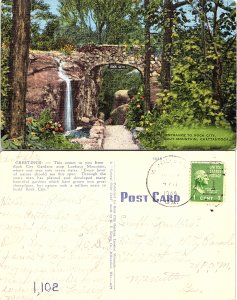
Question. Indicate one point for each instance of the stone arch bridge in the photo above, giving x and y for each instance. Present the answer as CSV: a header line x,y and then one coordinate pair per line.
x,y
84,68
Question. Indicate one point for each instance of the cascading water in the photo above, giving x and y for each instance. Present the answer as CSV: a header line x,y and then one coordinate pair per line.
x,y
68,104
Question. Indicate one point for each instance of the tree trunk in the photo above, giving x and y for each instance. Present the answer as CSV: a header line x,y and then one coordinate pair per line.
x,y
216,81
19,56
100,31
202,20
217,71
168,9
147,69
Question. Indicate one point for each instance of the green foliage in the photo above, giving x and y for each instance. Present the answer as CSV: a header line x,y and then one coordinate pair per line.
x,y
68,49
196,105
44,25
2,120
228,86
44,127
56,142
6,26
11,144
199,138
6,142
114,80
207,57
104,21
135,111
157,125
189,105
42,134
47,38
42,37
154,130
6,21
4,76
196,52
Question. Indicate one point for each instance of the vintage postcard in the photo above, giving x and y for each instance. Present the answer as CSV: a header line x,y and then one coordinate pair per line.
x,y
118,75
108,227
157,77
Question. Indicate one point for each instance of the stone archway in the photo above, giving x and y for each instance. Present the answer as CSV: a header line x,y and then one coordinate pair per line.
x,y
96,78
83,67
117,84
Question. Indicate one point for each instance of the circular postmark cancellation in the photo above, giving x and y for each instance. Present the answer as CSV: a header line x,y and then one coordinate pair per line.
x,y
168,181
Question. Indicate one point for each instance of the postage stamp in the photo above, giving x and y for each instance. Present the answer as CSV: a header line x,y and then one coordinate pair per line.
x,y
207,181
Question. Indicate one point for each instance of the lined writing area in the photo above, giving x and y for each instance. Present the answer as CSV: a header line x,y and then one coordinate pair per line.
x,y
55,242
86,243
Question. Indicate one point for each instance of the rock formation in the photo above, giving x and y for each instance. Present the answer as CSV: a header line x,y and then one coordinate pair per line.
x,y
44,88
118,115
121,97
47,90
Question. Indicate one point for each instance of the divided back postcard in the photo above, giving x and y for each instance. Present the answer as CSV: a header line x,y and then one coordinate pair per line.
x,y
118,150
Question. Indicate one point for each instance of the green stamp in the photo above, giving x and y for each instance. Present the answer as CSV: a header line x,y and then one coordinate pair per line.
x,y
207,181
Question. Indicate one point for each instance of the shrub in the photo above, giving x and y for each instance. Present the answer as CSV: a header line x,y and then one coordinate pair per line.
x,y
2,120
114,80
41,134
135,111
68,49
4,75
10,144
154,130
44,127
176,112
44,133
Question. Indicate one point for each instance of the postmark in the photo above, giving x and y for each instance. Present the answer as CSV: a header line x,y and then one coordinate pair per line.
x,y
167,181
207,180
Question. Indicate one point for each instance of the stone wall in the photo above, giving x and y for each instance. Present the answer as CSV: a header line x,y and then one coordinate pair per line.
x,y
47,89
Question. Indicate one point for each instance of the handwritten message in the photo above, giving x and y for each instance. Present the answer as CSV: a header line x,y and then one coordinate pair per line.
x,y
55,240
78,240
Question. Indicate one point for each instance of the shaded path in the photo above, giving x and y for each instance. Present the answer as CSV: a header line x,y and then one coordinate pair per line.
x,y
118,138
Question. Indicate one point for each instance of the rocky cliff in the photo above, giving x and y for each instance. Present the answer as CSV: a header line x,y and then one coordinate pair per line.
x,y
47,90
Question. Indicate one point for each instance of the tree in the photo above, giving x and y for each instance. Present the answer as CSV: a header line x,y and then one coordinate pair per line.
x,y
147,69
219,27
106,21
217,19
203,63
169,11
39,40
6,25
41,36
40,14
19,56
6,22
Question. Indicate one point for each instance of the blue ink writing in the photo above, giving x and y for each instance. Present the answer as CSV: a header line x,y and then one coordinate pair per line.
x,y
168,198
133,198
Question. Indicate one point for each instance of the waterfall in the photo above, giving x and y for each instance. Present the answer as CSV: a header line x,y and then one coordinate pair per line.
x,y
68,104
